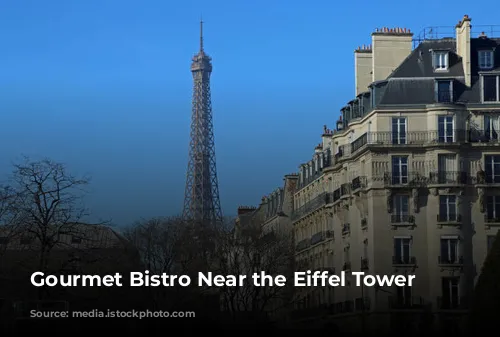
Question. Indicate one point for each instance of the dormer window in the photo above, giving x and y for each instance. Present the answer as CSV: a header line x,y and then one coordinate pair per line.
x,y
440,60
486,58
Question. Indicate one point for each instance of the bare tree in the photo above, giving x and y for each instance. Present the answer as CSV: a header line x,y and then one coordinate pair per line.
x,y
9,216
48,206
255,252
156,240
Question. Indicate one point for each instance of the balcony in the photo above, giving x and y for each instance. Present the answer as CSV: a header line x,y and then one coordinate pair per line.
x,y
404,260
415,137
346,266
310,206
450,260
303,244
344,307
412,179
490,179
402,219
452,303
345,190
318,237
346,229
358,183
406,303
364,263
490,219
483,136
448,178
362,304
336,195
364,223
449,218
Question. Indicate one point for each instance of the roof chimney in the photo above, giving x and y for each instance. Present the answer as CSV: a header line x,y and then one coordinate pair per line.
x,y
390,46
362,68
462,31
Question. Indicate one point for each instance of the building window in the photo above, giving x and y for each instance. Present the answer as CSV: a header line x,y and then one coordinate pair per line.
x,y
399,130
447,208
493,208
402,250
403,296
486,59
444,91
399,170
400,208
491,85
490,240
450,290
449,250
491,126
445,129
373,100
441,60
447,168
492,169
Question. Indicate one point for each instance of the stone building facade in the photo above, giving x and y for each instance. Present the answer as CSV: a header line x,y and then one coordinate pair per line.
x,y
406,183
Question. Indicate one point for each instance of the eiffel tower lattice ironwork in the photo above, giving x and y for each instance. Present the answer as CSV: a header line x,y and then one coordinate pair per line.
x,y
201,199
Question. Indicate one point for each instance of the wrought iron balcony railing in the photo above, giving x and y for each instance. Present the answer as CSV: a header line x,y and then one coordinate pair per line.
x,y
489,218
402,218
450,260
405,303
345,189
449,217
409,179
452,302
318,237
404,260
358,183
346,228
483,136
336,195
303,244
362,304
448,177
310,206
415,137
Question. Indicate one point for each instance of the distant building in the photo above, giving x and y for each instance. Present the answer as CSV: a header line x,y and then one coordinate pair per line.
x,y
407,183
264,234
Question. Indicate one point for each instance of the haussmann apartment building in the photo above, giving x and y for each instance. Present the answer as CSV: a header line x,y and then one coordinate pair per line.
x,y
406,183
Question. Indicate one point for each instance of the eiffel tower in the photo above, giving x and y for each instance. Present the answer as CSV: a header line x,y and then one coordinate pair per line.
x,y
201,199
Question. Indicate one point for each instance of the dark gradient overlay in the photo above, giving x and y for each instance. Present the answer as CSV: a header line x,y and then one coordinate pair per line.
x,y
44,229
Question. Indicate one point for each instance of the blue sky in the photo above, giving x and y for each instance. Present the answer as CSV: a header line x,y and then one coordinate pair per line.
x,y
105,87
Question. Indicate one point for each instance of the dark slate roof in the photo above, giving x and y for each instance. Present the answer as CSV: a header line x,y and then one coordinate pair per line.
x,y
413,81
419,62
